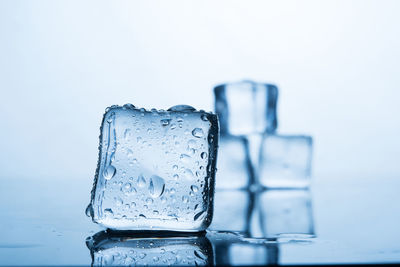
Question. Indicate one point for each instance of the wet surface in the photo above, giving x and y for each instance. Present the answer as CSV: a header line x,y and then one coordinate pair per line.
x,y
343,219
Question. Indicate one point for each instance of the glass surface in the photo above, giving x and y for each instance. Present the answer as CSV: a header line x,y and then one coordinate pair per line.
x,y
156,169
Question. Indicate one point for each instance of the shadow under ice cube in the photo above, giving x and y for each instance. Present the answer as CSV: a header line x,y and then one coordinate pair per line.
x,y
156,169
285,161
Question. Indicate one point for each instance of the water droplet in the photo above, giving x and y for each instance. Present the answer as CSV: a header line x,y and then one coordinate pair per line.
x,y
89,211
139,139
194,188
204,117
185,158
200,255
200,215
189,174
118,201
182,108
176,176
173,126
142,255
156,186
128,106
127,134
172,191
191,143
185,199
203,155
197,132
112,157
109,172
141,181
129,153
180,120
175,167
108,212
165,122
149,201
163,199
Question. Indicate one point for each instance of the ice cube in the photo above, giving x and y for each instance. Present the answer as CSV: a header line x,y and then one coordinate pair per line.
x,y
246,107
115,249
232,209
285,161
233,166
286,213
156,169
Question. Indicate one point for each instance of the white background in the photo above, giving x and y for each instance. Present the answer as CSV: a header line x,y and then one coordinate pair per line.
x,y
62,63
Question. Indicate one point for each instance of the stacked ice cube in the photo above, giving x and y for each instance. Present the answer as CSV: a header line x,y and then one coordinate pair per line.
x,y
254,160
156,169
248,120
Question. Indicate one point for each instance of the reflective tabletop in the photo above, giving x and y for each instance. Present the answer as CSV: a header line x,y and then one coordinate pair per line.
x,y
344,219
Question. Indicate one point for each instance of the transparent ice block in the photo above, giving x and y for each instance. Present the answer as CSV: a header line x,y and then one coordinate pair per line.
x,y
285,161
233,166
156,169
246,107
116,249
286,213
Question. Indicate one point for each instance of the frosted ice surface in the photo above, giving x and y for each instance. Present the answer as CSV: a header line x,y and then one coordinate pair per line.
x,y
234,166
285,161
147,251
286,213
246,107
156,169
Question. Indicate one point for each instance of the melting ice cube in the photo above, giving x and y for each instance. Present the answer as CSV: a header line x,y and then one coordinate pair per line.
x,y
156,169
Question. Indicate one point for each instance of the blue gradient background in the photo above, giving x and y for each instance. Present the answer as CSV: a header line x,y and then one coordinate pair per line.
x,y
336,63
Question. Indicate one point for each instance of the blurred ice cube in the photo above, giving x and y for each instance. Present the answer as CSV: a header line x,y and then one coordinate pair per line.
x,y
286,213
233,165
285,161
233,250
246,107
232,209
156,169
109,249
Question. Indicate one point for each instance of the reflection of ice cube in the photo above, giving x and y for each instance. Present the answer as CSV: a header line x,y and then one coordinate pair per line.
x,y
233,165
232,210
286,212
232,251
285,161
246,107
117,250
156,169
